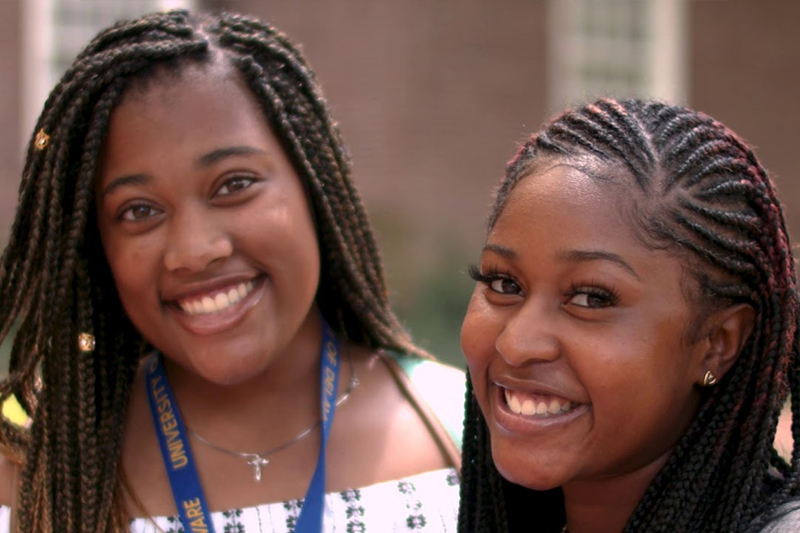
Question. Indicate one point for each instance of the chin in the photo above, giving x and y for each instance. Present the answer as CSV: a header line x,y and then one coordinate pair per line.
x,y
220,368
525,470
228,378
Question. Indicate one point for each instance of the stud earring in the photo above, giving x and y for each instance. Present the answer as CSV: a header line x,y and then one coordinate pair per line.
x,y
42,140
709,379
86,342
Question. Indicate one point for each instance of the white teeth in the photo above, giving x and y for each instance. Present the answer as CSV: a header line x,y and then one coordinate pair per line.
x,y
520,404
554,407
221,300
208,305
528,407
216,302
513,403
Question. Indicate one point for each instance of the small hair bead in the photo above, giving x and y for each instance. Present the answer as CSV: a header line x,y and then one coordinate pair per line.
x,y
86,342
42,140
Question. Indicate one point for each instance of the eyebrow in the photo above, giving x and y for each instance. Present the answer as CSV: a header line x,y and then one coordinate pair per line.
x,y
571,256
122,181
502,251
578,256
204,161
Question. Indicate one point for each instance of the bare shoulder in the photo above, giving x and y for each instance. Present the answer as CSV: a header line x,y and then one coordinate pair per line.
x,y
437,390
386,417
9,476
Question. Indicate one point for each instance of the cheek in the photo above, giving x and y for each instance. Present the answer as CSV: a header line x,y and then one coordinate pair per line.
x,y
478,335
133,270
647,362
474,331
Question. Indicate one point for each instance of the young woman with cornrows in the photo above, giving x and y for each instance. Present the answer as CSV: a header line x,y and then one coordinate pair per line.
x,y
632,336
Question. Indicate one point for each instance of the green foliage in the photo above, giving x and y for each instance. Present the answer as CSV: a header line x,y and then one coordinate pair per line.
x,y
427,275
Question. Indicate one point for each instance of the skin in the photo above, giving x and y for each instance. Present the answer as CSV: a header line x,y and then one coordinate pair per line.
x,y
195,196
571,308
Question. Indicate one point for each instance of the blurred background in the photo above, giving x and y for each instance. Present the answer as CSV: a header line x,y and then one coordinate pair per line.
x,y
433,97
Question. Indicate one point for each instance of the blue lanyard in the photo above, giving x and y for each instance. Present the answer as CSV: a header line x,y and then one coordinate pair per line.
x,y
186,489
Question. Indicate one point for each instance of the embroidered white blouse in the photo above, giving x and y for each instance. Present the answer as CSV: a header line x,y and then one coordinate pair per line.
x,y
424,503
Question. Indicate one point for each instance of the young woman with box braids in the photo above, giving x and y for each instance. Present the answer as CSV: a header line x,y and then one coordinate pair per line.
x,y
194,291
632,337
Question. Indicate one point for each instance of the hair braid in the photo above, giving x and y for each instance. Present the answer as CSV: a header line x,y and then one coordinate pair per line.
x,y
703,195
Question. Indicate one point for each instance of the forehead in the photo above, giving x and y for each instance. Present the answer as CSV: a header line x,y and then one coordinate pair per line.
x,y
182,115
560,213
569,198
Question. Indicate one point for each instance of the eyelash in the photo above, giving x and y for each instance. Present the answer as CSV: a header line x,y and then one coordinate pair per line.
x,y
490,277
248,180
129,209
608,296
476,275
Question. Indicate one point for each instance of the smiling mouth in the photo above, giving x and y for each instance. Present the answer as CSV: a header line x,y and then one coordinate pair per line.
x,y
523,403
216,302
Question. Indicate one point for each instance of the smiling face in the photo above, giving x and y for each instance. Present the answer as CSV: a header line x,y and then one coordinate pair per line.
x,y
206,225
575,338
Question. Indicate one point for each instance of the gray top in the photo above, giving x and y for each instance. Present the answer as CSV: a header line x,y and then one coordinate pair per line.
x,y
786,519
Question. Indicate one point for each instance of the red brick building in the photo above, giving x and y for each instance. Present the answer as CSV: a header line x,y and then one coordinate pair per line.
x,y
433,97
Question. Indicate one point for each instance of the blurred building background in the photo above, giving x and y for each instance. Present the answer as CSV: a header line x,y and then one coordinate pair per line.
x,y
433,97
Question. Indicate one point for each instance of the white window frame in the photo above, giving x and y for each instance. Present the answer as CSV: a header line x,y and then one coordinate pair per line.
x,y
39,27
659,59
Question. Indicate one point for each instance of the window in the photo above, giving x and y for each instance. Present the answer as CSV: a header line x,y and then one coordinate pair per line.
x,y
56,30
620,48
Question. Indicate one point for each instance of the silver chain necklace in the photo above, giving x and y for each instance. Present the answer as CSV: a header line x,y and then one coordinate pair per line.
x,y
257,460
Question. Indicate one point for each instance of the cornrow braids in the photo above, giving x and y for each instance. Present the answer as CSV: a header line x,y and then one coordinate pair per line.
x,y
699,192
55,282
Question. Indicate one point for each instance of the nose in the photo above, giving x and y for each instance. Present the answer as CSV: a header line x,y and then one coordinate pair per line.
x,y
196,240
530,335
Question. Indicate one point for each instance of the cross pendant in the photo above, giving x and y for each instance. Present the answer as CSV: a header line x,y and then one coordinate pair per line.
x,y
256,461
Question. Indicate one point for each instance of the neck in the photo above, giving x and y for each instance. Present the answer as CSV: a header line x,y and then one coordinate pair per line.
x,y
605,505
268,408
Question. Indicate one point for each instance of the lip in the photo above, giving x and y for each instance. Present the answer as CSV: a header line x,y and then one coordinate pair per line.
x,y
220,321
200,288
512,423
532,386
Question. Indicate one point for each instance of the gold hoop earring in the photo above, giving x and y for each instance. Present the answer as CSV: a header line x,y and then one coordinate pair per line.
x,y
709,379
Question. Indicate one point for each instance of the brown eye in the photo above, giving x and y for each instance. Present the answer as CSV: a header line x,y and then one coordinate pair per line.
x,y
505,286
138,212
592,298
234,185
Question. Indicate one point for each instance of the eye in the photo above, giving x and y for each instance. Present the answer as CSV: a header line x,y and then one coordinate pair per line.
x,y
496,281
505,285
592,297
234,185
138,212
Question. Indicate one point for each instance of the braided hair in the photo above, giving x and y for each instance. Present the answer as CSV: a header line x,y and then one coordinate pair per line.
x,y
698,191
55,282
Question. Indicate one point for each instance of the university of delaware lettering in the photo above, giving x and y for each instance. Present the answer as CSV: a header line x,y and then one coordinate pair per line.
x,y
169,425
197,522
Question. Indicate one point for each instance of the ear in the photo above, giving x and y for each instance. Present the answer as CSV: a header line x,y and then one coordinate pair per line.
x,y
726,332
